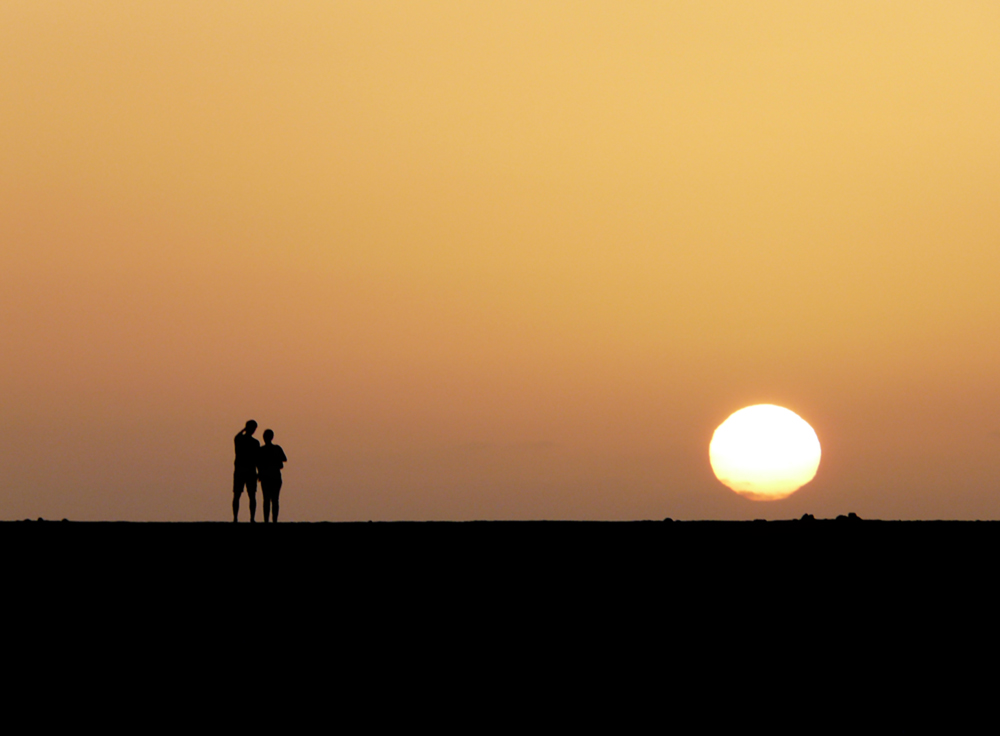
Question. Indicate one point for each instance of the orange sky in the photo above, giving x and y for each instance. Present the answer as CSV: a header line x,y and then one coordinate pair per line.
x,y
511,262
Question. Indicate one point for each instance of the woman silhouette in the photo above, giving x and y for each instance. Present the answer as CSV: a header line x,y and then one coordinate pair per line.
x,y
270,459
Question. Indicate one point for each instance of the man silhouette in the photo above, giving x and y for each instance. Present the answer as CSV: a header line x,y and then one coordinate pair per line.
x,y
270,460
245,472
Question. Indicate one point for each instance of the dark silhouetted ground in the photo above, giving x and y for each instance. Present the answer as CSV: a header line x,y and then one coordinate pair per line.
x,y
354,564
496,612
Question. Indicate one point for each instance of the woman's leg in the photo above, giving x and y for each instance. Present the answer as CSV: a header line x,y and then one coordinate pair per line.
x,y
274,499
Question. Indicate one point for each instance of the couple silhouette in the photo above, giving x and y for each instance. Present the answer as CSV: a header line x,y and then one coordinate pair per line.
x,y
253,462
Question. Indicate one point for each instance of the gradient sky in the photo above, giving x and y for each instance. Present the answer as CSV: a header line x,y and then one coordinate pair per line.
x,y
507,260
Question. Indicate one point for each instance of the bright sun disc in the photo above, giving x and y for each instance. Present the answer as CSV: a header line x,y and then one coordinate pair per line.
x,y
764,452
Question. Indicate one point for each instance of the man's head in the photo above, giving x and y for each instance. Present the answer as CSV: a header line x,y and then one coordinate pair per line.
x,y
251,427
268,436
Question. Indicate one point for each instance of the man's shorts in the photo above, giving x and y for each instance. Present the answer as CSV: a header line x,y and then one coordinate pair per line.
x,y
247,479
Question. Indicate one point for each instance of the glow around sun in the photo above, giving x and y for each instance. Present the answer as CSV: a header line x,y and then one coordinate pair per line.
x,y
764,452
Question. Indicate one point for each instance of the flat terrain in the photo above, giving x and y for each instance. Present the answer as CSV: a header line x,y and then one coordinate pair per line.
x,y
513,556
350,607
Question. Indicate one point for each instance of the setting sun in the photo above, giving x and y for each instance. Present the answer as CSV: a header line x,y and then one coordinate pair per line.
x,y
764,452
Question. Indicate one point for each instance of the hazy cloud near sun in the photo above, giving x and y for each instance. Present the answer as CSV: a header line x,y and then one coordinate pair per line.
x,y
527,446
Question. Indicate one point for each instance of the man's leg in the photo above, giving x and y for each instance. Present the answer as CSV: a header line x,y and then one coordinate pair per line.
x,y
237,492
274,500
252,493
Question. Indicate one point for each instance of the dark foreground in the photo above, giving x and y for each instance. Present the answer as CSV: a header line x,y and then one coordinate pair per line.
x,y
424,562
493,616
